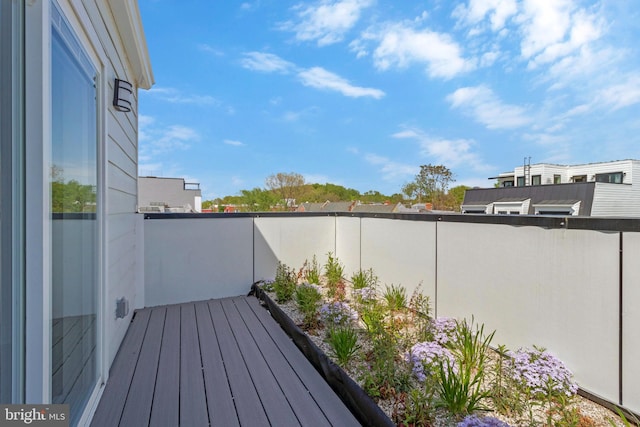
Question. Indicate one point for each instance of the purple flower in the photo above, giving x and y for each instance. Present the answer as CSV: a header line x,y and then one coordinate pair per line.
x,y
541,372
443,329
424,355
366,294
476,421
337,313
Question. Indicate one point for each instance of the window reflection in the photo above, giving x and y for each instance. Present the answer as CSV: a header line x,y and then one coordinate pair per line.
x,y
73,180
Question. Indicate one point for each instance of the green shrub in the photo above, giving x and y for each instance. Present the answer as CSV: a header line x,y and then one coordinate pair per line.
x,y
344,343
459,388
334,272
312,271
308,298
364,279
396,297
284,284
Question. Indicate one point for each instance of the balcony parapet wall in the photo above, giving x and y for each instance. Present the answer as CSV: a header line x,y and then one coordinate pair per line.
x,y
567,284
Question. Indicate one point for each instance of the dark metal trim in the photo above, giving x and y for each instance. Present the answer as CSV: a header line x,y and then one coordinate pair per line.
x,y
629,415
620,317
571,222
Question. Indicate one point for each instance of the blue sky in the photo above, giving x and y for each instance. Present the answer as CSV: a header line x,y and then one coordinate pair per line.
x,y
362,92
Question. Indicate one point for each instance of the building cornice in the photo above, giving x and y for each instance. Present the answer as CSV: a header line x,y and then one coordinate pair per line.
x,y
129,23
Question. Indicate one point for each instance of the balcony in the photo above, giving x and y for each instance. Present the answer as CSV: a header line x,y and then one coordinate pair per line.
x,y
568,284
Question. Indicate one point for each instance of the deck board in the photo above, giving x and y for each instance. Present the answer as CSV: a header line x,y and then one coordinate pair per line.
x,y
273,399
218,362
222,410
165,410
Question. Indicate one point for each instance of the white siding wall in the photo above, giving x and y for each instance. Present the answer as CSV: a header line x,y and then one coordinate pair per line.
x,y
625,166
119,135
547,171
620,200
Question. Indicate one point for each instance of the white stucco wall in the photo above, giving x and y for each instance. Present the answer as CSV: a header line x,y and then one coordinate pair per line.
x,y
348,244
400,253
197,259
631,316
291,240
552,288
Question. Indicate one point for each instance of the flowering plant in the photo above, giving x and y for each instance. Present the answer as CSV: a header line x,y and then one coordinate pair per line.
x,y
366,294
444,329
425,355
337,313
476,421
541,372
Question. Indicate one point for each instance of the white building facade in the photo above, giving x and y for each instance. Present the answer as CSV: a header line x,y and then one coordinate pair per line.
x,y
68,195
594,189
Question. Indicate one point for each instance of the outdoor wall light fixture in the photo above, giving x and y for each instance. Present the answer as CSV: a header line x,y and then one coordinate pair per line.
x,y
122,95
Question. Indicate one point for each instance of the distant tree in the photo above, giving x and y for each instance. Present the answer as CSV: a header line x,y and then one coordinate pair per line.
x,y
455,197
71,196
258,200
285,185
411,190
431,183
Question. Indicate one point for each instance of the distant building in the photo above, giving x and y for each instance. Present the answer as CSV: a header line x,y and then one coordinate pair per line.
x,y
157,194
384,208
594,189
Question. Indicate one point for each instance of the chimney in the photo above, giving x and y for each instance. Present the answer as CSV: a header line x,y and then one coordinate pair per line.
x,y
428,206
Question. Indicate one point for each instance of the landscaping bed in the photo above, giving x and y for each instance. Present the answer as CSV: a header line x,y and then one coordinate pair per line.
x,y
393,364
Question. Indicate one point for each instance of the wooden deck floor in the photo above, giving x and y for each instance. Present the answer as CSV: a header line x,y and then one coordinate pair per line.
x,y
220,363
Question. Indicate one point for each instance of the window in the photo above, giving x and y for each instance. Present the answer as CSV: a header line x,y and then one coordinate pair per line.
x,y
579,178
612,178
536,180
74,228
521,181
507,183
557,179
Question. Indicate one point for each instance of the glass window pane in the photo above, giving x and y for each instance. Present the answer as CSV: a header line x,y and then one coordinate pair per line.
x,y
11,203
74,224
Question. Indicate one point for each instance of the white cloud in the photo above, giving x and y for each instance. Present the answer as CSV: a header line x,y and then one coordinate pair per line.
x,y
498,11
391,170
320,78
234,143
326,21
552,30
485,107
449,152
266,62
401,45
158,140
174,96
623,94
210,49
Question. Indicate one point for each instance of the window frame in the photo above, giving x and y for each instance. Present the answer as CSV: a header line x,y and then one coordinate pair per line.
x,y
609,176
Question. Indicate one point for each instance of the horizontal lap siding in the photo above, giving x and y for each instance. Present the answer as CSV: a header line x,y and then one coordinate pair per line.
x,y
119,136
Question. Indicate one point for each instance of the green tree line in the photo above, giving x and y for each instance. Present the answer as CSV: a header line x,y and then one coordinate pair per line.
x,y
431,185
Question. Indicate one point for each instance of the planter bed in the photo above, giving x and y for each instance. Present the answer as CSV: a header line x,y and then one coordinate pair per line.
x,y
440,372
360,404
